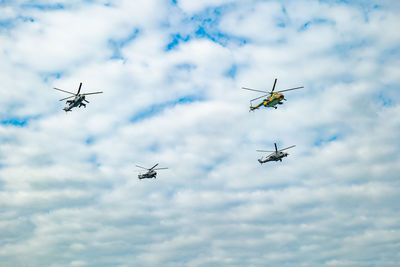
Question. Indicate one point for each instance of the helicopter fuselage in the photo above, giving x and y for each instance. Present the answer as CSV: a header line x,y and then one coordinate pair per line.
x,y
276,156
271,101
76,102
148,175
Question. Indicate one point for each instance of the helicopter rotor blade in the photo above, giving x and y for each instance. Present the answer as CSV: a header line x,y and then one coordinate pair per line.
x,y
64,91
142,167
92,93
153,167
79,90
269,151
273,87
67,97
290,89
287,148
258,97
250,89
156,169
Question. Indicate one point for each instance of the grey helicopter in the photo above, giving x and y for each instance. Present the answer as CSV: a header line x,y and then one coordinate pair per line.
x,y
276,155
151,172
78,98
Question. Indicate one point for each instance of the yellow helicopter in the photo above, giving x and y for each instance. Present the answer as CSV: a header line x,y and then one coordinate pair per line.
x,y
272,99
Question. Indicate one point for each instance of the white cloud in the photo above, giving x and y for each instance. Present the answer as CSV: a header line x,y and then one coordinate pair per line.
x,y
192,7
69,193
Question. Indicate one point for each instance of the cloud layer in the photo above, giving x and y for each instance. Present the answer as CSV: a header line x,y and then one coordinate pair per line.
x,y
171,73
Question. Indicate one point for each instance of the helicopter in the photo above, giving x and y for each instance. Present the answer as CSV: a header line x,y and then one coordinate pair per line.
x,y
272,99
78,98
151,172
276,155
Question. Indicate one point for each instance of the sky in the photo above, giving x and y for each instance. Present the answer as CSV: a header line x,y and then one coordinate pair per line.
x,y
171,73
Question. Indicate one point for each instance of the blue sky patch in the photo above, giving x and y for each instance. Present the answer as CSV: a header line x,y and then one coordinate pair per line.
x,y
201,32
317,21
117,45
345,50
10,23
19,122
160,107
281,25
50,7
89,140
51,76
232,71
188,99
6,23
155,147
185,66
205,25
176,39
385,100
323,141
283,21
94,160
216,162
180,70
219,37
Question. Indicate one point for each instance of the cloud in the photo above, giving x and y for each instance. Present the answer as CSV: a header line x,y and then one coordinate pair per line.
x,y
191,7
171,73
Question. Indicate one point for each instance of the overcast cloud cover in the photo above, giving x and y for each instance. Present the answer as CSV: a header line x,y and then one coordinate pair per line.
x,y
171,73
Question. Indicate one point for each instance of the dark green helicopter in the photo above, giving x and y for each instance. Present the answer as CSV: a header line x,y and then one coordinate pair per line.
x,y
151,172
78,98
